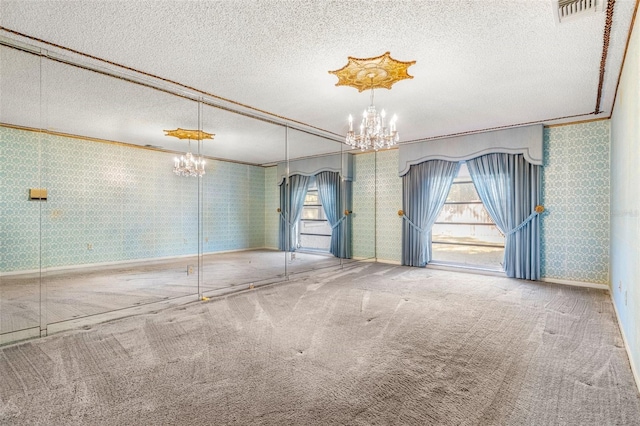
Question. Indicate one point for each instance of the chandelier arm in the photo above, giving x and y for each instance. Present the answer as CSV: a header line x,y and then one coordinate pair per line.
x,y
374,134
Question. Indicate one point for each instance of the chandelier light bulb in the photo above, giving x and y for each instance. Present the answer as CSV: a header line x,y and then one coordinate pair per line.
x,y
374,133
188,165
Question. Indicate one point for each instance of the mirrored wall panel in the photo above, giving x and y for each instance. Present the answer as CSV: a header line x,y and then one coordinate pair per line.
x,y
311,186
21,196
239,202
120,229
330,213
118,193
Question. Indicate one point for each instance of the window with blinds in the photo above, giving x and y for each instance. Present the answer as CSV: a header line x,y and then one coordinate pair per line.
x,y
464,233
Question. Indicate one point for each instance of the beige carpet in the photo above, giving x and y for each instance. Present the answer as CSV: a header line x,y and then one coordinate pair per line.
x,y
371,345
84,292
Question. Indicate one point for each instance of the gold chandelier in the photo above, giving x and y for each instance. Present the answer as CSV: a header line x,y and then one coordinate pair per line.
x,y
370,73
188,164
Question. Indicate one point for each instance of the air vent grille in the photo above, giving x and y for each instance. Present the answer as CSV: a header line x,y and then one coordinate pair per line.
x,y
569,9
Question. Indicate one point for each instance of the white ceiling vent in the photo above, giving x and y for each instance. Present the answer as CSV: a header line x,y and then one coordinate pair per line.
x,y
565,10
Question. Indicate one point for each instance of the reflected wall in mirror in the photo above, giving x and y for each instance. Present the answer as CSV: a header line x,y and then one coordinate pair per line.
x,y
20,171
239,202
311,194
330,215
120,230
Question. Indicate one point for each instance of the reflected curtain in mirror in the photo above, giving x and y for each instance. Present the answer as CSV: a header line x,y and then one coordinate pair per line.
x,y
509,186
424,190
290,214
282,223
335,195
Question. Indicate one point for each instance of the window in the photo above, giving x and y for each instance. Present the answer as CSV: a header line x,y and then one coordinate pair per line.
x,y
314,231
464,233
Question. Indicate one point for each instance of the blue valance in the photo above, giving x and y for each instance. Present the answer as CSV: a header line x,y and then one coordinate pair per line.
x,y
340,163
525,140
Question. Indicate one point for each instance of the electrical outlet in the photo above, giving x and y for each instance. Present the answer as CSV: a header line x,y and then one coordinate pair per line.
x,y
189,269
89,246
619,285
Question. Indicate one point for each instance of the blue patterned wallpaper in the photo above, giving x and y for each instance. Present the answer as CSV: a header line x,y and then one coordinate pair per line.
x,y
388,202
364,214
126,204
234,207
271,205
575,231
110,202
19,227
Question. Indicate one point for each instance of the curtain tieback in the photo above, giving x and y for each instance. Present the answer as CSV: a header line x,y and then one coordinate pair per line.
x,y
416,227
284,218
422,233
538,211
335,225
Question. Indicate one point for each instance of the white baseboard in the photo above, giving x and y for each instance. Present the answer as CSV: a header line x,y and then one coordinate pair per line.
x,y
122,262
634,370
17,336
575,283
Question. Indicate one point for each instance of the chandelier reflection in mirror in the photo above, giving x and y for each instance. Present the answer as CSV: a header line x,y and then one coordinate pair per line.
x,y
188,164
371,73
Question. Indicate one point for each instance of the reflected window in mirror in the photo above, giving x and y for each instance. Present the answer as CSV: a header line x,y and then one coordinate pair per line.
x,y
314,231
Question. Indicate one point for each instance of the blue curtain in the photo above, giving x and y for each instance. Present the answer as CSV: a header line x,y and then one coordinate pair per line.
x,y
282,229
347,191
425,188
509,187
334,196
291,203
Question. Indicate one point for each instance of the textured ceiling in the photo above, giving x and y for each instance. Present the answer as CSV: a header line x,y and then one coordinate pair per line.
x,y
479,65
